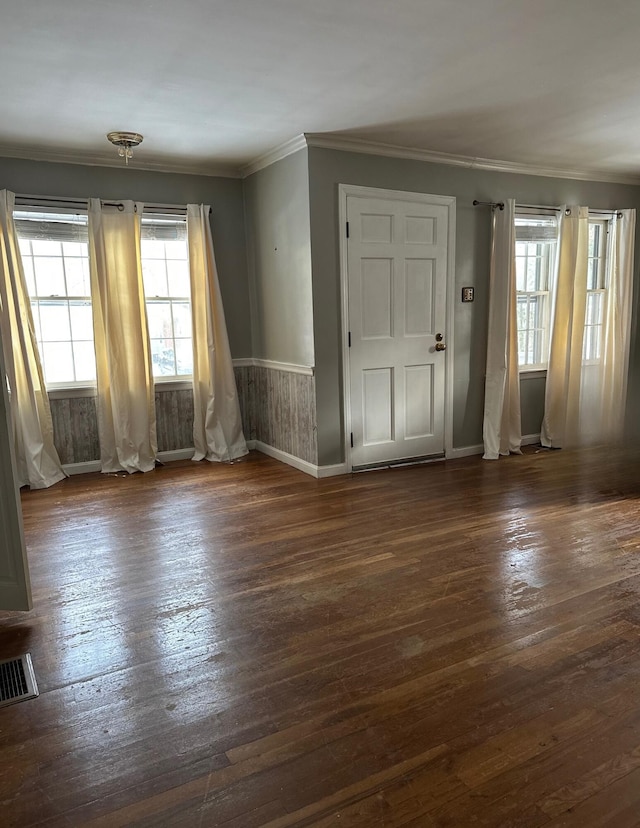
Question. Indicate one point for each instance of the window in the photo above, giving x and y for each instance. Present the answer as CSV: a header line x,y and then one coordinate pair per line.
x,y
165,270
535,259
55,257
535,255
596,291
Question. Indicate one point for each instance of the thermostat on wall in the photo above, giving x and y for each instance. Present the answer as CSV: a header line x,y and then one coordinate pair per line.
x,y
467,294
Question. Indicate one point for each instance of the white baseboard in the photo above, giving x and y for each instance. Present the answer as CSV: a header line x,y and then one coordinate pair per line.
x,y
82,468
332,471
176,454
530,439
285,457
465,451
94,465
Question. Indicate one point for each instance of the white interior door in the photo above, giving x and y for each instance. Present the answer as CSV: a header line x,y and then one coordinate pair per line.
x,y
396,294
15,587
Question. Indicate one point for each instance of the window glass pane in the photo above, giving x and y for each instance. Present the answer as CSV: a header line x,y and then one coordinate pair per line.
x,y
154,273
81,321
77,272
45,248
25,247
594,239
152,249
54,322
593,308
533,273
178,272
159,320
58,362
49,276
182,319
184,356
71,249
521,312
163,358
520,273
176,250
85,360
522,347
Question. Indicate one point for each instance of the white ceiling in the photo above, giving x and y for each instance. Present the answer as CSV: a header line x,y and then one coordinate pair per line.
x,y
547,83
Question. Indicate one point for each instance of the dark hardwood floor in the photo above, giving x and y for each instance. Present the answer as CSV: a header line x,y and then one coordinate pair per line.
x,y
446,645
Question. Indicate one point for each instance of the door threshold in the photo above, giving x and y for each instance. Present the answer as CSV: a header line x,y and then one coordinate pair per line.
x,y
399,464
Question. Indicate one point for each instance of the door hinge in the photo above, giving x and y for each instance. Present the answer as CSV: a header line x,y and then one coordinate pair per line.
x,y
349,338
347,229
352,439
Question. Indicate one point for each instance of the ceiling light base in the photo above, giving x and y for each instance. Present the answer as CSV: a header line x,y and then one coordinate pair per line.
x,y
125,141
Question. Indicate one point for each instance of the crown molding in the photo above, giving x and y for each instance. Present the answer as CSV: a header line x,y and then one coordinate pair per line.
x,y
276,154
100,160
394,151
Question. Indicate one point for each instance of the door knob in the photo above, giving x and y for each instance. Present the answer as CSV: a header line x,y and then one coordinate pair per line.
x,y
440,346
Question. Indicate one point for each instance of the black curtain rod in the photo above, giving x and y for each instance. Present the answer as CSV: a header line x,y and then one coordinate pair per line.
x,y
500,206
82,203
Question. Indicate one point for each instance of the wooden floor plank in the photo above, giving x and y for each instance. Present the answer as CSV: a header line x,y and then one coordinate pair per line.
x,y
241,645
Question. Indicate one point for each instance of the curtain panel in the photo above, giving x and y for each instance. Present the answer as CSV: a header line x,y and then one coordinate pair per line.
x,y
37,461
126,396
217,424
501,426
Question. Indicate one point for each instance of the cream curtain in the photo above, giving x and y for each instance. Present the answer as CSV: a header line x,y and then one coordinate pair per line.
x,y
585,400
217,426
502,426
615,363
126,397
38,464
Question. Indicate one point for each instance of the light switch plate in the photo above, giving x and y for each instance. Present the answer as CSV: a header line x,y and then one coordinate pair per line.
x,y
467,294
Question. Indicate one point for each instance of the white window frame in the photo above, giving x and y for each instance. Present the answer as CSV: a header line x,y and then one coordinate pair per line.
x,y
602,288
548,255
155,223
52,216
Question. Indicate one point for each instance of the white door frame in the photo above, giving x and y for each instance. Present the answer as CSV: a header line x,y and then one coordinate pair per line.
x,y
344,191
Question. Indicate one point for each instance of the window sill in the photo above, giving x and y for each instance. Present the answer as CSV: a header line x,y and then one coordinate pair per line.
x,y
72,392
534,374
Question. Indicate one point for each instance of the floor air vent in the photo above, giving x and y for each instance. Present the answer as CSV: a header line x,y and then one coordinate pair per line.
x,y
17,680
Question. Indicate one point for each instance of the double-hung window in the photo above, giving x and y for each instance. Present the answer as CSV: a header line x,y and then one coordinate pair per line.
x,y
55,256
165,270
597,282
535,264
535,255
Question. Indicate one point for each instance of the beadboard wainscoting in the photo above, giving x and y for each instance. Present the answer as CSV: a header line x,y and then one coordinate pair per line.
x,y
75,425
278,409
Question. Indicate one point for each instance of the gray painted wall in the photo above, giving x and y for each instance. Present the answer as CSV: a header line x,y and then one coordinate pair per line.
x,y
279,256
223,194
327,169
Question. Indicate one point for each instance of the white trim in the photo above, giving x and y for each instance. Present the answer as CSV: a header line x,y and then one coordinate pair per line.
x,y
285,457
432,157
289,367
534,373
176,454
465,451
344,191
530,439
297,463
332,471
72,392
82,468
167,165
276,154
